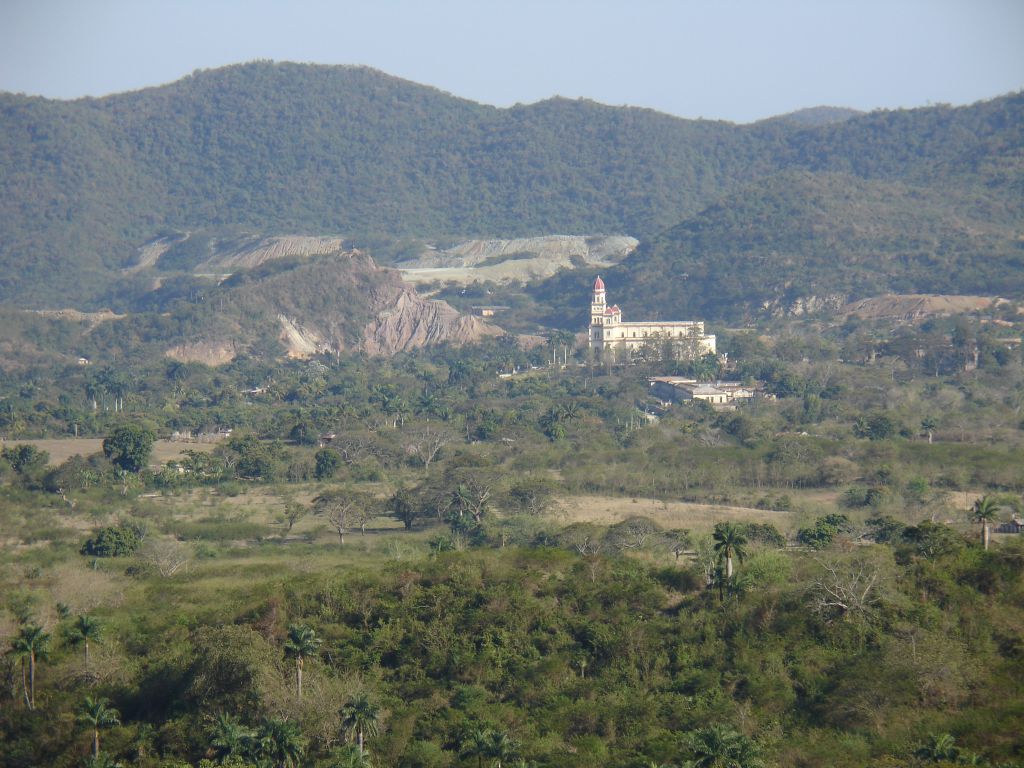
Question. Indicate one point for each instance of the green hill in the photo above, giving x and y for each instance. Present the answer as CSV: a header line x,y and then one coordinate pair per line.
x,y
924,201
267,148
285,148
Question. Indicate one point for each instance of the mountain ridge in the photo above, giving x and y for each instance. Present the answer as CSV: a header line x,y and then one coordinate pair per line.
x,y
276,149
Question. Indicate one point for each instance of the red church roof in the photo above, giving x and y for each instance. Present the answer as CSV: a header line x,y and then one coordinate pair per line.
x,y
599,284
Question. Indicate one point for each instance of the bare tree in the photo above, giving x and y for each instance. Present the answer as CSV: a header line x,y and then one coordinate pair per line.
x,y
846,589
706,558
633,533
426,443
342,508
167,555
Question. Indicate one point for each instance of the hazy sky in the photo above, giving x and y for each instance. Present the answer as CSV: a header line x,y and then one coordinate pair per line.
x,y
739,60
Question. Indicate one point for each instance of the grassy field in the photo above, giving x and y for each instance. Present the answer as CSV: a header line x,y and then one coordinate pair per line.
x,y
62,449
699,518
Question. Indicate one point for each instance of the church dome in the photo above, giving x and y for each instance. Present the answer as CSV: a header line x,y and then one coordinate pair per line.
x,y
599,284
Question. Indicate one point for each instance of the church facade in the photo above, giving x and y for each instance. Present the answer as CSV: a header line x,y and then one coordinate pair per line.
x,y
685,338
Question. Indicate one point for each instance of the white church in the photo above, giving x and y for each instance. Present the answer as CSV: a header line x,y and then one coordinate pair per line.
x,y
609,332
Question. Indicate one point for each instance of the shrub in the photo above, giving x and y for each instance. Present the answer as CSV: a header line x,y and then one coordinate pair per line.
x,y
115,541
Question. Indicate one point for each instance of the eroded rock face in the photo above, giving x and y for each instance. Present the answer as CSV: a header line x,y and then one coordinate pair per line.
x,y
412,322
343,302
257,252
528,258
914,307
805,305
218,352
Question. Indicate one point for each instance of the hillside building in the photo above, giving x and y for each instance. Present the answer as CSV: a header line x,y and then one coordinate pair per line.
x,y
683,339
720,395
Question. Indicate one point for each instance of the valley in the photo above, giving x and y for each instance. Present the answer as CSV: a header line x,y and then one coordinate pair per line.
x,y
321,445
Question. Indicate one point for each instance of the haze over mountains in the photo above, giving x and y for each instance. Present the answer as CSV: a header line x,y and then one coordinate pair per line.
x,y
824,201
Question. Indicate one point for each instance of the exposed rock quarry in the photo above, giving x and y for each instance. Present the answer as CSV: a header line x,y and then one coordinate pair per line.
x,y
413,322
806,305
328,305
207,352
149,254
91,319
253,253
300,342
914,307
520,259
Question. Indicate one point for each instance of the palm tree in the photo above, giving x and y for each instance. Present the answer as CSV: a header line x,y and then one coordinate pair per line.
x,y
350,757
96,714
983,511
32,644
566,340
101,761
570,411
229,738
928,424
302,642
361,717
721,747
729,543
280,743
940,748
477,743
501,748
85,628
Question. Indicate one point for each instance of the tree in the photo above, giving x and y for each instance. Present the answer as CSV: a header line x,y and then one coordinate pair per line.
x,y
129,447
729,542
361,717
426,444
31,644
302,642
350,757
229,738
166,554
477,744
85,629
532,495
293,512
115,541
26,460
983,511
932,540
339,507
928,424
940,748
279,743
96,713
327,463
721,747
405,507
501,748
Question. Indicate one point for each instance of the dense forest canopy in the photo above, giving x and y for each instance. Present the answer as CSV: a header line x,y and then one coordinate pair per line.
x,y
311,149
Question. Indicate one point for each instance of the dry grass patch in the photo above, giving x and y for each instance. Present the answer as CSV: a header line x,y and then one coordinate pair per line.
x,y
62,449
607,510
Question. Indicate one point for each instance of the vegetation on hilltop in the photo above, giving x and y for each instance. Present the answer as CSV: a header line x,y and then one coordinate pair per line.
x,y
799,238
285,148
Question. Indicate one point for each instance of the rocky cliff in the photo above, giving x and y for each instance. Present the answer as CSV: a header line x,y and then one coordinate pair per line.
x,y
339,302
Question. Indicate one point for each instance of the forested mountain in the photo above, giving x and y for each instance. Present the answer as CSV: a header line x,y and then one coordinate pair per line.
x,y
292,148
799,242
925,201
298,149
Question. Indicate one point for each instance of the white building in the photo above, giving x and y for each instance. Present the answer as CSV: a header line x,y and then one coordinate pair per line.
x,y
608,332
722,395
